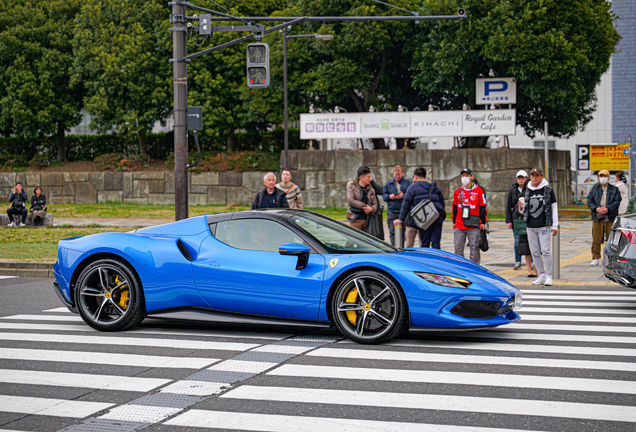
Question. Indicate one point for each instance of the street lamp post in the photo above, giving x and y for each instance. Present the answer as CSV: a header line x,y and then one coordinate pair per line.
x,y
285,38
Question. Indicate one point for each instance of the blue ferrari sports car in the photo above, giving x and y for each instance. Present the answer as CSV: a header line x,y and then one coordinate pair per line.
x,y
276,266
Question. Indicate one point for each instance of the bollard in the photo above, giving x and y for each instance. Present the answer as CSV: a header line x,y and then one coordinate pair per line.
x,y
556,254
398,237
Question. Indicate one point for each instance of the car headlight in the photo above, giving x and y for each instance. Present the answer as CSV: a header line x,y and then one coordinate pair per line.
x,y
444,280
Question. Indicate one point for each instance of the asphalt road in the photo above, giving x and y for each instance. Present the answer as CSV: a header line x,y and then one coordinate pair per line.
x,y
569,365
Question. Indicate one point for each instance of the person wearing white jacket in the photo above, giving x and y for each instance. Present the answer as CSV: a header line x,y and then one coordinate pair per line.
x,y
541,214
619,182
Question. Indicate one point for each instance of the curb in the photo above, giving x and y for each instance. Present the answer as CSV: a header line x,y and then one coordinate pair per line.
x,y
27,269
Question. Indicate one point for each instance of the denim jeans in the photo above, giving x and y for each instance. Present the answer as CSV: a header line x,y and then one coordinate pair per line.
x,y
517,256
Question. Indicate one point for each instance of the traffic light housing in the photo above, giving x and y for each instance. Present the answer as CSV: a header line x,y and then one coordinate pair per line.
x,y
258,65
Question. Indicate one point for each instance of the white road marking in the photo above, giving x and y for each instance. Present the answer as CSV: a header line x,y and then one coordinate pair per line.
x,y
577,297
511,335
57,310
63,379
577,318
519,348
470,359
533,408
7,277
522,325
24,317
50,407
128,341
101,358
195,388
282,423
596,311
461,378
577,304
580,292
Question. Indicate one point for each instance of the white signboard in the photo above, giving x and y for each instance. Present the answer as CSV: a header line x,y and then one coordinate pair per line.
x,y
495,91
411,124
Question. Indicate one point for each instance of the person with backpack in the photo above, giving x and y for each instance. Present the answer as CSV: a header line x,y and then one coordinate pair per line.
x,y
470,214
421,190
291,190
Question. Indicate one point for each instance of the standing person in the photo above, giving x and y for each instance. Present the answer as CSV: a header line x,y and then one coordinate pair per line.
x,y
38,206
631,206
541,213
470,214
270,197
512,213
422,190
361,198
524,246
619,182
393,194
603,200
18,199
291,190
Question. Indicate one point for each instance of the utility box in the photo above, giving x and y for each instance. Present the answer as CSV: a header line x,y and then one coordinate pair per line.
x,y
194,118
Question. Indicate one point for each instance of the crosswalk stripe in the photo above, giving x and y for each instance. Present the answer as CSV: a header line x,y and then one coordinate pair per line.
x,y
57,310
579,292
63,379
523,325
581,304
102,358
50,407
525,407
7,277
573,318
498,346
575,297
510,335
128,341
282,423
578,311
143,330
25,317
460,378
470,359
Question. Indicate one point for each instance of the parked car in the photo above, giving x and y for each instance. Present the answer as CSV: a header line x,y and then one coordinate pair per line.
x,y
276,266
619,255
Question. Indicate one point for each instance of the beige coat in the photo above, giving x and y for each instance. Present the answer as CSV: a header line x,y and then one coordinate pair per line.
x,y
354,197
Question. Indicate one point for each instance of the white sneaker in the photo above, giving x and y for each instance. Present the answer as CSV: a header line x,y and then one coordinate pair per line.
x,y
548,281
22,225
540,280
594,262
517,265
11,224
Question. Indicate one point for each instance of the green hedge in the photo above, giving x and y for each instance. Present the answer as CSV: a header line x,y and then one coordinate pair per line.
x,y
88,147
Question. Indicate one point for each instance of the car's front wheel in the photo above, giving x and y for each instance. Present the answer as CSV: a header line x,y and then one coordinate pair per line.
x,y
109,296
368,307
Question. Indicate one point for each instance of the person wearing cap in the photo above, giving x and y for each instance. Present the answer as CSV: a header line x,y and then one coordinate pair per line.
x,y
541,214
603,200
470,215
511,205
620,183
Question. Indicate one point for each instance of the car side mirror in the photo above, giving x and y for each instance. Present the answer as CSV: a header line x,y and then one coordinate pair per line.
x,y
296,249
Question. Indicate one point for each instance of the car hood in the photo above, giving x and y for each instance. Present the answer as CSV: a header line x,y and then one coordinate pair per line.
x,y
453,265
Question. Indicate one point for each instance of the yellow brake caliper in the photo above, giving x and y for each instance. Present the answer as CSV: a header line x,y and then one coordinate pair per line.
x,y
124,296
352,316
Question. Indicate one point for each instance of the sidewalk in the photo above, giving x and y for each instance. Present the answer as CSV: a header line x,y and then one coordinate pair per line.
x,y
576,240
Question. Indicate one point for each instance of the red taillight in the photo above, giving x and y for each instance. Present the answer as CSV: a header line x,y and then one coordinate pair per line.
x,y
629,235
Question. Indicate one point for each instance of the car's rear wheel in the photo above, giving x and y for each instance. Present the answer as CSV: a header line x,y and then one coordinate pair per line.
x,y
368,307
109,295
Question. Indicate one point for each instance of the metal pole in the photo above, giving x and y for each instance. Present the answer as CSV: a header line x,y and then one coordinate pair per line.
x,y
180,77
556,252
398,237
285,96
632,165
547,154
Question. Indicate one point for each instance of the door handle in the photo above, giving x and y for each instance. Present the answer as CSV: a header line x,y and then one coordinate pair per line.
x,y
214,264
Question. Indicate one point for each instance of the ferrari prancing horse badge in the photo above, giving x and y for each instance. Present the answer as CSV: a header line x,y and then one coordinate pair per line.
x,y
333,263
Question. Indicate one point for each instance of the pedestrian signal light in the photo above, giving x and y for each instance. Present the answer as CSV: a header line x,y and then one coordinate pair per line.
x,y
258,65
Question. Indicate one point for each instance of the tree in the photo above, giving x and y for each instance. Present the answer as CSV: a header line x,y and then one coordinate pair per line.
x,y
122,50
557,50
37,97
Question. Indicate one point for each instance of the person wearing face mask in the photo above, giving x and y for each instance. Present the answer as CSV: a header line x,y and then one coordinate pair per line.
x,y
603,200
620,183
470,214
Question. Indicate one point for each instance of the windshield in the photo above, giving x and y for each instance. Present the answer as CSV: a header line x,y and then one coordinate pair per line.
x,y
338,237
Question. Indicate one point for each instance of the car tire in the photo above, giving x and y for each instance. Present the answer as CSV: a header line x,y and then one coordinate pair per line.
x,y
109,295
377,315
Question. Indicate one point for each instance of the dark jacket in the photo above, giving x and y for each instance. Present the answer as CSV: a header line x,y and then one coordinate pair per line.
x,y
18,201
613,201
421,191
511,204
394,205
261,201
38,203
354,198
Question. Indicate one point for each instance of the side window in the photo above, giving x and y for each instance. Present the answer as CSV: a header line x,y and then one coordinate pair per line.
x,y
255,234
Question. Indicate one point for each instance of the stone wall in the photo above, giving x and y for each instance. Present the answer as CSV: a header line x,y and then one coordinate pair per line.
x,y
322,175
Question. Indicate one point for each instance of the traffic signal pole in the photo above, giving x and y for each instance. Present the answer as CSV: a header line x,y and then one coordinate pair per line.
x,y
180,85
